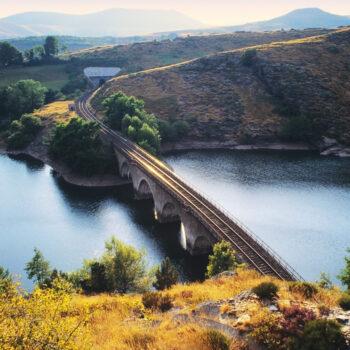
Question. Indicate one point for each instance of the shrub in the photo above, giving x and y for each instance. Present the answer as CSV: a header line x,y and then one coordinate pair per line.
x,y
24,131
266,329
215,340
156,301
266,290
222,260
294,320
321,335
248,57
344,275
307,289
151,300
344,302
165,303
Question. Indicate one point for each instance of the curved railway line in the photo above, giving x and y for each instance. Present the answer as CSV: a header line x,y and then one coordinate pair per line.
x,y
252,249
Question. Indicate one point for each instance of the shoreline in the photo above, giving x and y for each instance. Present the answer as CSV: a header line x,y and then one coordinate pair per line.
x,y
95,181
110,180
323,149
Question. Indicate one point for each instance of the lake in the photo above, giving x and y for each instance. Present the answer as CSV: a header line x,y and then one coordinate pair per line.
x,y
297,202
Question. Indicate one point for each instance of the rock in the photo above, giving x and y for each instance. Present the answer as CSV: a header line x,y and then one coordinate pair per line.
x,y
210,308
224,274
272,308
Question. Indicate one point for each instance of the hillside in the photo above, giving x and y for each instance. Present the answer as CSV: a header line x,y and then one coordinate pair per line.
x,y
152,54
112,22
221,313
226,97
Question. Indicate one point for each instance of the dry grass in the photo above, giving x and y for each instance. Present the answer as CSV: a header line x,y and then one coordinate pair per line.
x,y
121,322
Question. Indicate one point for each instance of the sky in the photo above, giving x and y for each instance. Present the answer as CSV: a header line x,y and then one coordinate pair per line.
x,y
210,12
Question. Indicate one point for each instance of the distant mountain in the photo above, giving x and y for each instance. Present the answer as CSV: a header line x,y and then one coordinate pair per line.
x,y
298,19
113,22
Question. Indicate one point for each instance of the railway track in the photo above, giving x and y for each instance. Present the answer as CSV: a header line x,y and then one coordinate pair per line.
x,y
249,247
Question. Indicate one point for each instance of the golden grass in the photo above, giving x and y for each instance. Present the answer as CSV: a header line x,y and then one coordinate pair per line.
x,y
117,322
58,110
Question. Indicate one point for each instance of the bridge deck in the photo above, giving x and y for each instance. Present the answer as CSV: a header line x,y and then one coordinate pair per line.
x,y
253,251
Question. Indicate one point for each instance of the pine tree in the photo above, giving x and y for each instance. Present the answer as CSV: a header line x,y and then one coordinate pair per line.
x,y
166,275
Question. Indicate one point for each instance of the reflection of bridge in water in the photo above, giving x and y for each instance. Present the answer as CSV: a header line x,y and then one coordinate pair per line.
x,y
202,222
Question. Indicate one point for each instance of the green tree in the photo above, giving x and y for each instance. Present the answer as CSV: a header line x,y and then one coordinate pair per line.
x,y
118,105
248,57
51,46
166,275
38,268
39,52
9,55
5,279
24,97
222,260
77,143
29,55
125,267
344,275
298,128
24,131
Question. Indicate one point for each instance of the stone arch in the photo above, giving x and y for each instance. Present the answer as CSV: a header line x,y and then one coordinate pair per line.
x,y
125,171
143,190
169,213
202,245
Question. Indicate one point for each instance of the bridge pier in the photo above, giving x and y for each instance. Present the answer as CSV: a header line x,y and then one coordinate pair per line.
x,y
197,240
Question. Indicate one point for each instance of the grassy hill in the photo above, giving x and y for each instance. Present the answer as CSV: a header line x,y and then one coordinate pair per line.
x,y
146,55
228,96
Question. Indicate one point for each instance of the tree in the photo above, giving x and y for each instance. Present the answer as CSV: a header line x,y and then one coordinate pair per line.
x,y
51,46
29,55
39,52
77,143
222,260
38,268
344,275
24,131
166,275
118,105
9,55
24,97
64,48
125,267
5,279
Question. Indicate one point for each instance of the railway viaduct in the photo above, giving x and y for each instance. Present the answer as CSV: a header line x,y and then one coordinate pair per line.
x,y
198,240
203,223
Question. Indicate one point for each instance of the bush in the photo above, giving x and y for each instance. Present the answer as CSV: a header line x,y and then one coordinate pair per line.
x,y
78,144
266,290
24,131
156,301
321,335
307,289
344,302
151,300
297,128
165,303
295,319
222,260
248,57
215,340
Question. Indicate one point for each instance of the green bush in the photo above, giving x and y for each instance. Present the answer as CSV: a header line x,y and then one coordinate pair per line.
x,y
297,128
215,340
307,289
24,131
223,259
319,335
77,143
344,302
266,290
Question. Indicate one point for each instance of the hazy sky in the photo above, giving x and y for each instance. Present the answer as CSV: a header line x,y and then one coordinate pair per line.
x,y
212,12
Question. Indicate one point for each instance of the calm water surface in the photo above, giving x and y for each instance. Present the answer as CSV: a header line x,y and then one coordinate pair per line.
x,y
299,203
